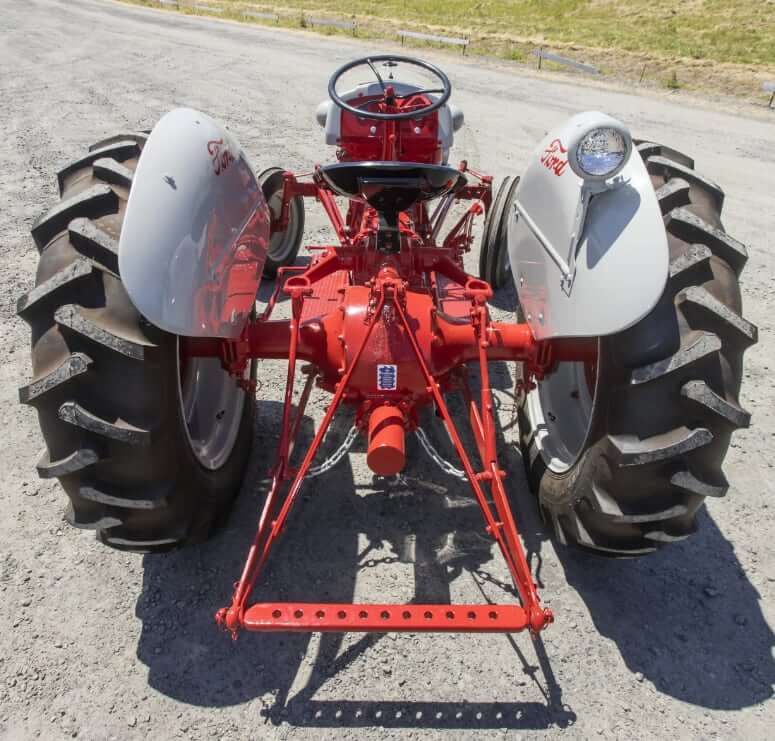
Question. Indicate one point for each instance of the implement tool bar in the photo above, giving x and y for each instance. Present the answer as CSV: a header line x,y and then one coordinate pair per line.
x,y
307,617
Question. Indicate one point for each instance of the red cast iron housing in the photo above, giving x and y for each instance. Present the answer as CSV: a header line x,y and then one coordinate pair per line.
x,y
388,331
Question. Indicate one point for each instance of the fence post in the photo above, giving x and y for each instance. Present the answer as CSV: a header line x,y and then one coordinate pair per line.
x,y
642,73
540,55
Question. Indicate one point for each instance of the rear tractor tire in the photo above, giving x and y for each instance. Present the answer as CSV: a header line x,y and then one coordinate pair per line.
x,y
623,452
149,447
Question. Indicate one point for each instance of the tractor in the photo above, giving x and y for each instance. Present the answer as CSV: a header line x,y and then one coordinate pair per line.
x,y
627,349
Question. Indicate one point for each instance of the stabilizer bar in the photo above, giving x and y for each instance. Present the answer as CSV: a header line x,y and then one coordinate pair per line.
x,y
360,618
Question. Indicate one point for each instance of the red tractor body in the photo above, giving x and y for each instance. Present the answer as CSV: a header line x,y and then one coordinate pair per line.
x,y
388,321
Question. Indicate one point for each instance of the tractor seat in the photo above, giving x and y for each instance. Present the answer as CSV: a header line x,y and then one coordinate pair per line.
x,y
390,187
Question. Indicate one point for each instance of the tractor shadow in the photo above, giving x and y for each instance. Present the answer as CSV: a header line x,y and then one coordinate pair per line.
x,y
188,657
318,558
686,617
430,520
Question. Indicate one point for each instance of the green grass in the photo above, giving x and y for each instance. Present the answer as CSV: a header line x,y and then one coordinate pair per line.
x,y
723,45
672,83
740,31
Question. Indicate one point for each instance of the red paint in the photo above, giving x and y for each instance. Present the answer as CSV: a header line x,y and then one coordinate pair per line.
x,y
412,140
386,455
354,308
322,617
552,158
220,155
228,298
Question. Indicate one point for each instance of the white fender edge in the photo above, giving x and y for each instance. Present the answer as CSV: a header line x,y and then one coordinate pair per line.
x,y
196,229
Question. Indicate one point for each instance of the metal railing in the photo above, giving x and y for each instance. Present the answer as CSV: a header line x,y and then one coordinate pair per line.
x,y
769,87
262,15
557,59
350,25
455,41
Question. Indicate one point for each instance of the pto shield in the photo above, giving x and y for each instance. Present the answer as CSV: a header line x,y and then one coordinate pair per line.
x,y
196,229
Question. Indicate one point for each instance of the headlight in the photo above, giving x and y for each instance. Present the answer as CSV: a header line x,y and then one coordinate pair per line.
x,y
602,152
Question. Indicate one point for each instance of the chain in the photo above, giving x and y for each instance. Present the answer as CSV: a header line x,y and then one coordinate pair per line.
x,y
443,464
336,456
343,449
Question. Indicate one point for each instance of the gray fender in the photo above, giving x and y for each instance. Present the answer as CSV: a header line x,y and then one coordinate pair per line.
x,y
196,229
588,258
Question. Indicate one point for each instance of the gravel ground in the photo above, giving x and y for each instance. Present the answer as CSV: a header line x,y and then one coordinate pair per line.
x,y
101,644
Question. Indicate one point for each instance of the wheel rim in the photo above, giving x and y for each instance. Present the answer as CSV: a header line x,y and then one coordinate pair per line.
x,y
560,410
211,404
281,244
505,261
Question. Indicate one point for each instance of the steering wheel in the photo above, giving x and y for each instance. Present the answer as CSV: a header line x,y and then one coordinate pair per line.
x,y
388,95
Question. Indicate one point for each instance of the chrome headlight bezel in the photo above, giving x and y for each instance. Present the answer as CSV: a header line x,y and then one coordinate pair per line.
x,y
609,128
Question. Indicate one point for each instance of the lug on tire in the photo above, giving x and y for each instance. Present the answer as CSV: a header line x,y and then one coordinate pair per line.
x,y
623,451
149,447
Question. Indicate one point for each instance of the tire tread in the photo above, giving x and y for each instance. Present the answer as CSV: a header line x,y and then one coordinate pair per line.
x,y
671,393
105,381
